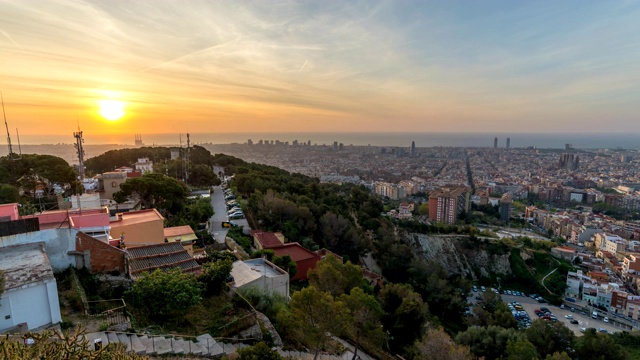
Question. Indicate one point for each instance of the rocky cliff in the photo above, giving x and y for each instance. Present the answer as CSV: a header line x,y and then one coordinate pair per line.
x,y
458,254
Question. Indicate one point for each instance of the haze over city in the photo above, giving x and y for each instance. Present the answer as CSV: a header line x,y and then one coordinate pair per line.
x,y
117,68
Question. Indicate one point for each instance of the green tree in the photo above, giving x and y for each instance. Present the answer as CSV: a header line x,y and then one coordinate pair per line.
x,y
162,296
520,350
155,191
259,351
598,346
550,337
315,315
423,209
214,276
339,235
9,194
404,315
492,311
366,314
559,356
489,342
437,345
202,175
334,277
287,264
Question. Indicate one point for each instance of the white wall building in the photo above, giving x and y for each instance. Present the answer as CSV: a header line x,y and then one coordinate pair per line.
x,y
260,274
144,165
31,297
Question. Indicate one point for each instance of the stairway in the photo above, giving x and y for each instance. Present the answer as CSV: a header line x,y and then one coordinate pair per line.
x,y
204,345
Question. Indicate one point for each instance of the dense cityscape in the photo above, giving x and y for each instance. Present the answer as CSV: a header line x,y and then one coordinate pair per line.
x,y
326,180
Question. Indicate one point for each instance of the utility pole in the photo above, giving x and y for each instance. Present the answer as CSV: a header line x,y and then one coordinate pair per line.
x,y
187,157
7,126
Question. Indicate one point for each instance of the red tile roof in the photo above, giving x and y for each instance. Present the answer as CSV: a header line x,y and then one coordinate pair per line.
x,y
89,220
268,239
178,231
295,251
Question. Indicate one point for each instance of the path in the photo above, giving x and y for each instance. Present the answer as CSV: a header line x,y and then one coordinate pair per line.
x,y
545,278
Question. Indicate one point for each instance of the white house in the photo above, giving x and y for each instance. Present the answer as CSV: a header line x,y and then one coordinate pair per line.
x,y
260,274
30,298
144,165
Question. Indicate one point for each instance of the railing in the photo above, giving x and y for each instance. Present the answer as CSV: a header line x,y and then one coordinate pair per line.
x,y
113,311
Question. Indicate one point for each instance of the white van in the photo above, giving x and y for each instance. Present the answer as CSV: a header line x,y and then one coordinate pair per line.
x,y
594,315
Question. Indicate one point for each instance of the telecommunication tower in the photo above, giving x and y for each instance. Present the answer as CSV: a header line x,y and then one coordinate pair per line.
x,y
80,152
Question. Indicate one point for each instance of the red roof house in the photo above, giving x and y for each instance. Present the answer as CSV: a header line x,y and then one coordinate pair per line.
x,y
304,259
267,240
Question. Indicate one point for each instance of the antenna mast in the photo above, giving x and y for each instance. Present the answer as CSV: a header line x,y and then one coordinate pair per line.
x,y
80,152
7,126
19,147
186,168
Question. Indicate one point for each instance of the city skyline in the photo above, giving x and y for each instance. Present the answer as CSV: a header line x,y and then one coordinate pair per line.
x,y
230,67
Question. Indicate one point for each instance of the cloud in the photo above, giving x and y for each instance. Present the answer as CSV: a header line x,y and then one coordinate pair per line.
x,y
305,65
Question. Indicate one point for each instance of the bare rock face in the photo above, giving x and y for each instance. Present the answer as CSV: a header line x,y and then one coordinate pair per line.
x,y
459,255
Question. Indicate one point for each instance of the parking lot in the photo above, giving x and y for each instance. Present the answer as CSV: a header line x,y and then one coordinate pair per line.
x,y
585,321
530,305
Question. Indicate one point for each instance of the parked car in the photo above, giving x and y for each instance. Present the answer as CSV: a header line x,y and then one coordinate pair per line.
x,y
594,314
606,319
574,321
236,216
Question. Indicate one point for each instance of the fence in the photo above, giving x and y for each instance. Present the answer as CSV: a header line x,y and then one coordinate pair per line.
x,y
113,311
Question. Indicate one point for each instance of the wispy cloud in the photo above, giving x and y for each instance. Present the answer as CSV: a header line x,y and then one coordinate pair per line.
x,y
433,66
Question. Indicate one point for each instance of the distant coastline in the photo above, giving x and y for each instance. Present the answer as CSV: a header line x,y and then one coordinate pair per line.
x,y
518,140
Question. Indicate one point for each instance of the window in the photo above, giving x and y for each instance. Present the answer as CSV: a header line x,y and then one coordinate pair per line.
x,y
113,184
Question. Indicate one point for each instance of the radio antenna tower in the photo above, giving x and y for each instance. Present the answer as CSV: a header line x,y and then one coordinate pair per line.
x,y
80,152
186,168
11,154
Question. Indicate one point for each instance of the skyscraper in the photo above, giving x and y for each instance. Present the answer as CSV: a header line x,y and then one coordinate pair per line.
x,y
508,143
413,149
495,143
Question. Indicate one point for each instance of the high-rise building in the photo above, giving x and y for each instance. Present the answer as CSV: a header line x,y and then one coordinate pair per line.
x,y
505,206
413,149
447,203
495,142
335,146
249,142
508,143
569,161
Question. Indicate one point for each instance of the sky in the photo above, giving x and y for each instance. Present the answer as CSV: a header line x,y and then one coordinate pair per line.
x,y
320,66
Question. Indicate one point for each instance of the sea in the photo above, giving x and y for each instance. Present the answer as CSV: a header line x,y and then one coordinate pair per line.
x,y
422,139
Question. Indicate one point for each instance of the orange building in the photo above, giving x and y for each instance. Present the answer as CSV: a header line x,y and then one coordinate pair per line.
x,y
144,227
447,203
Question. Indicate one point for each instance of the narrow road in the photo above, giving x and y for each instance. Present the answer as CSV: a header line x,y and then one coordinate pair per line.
x,y
545,278
220,215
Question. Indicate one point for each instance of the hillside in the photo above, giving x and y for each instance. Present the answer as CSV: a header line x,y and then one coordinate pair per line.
x,y
517,264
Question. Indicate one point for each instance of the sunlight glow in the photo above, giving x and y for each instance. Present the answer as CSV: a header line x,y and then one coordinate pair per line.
x,y
111,109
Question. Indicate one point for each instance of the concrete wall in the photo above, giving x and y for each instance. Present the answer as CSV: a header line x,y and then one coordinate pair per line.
x,y
18,305
57,243
270,285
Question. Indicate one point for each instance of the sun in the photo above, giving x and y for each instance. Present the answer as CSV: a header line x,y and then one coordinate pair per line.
x,y
111,109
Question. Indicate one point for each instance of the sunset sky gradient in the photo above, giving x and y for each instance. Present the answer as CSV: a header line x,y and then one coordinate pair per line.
x,y
329,66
